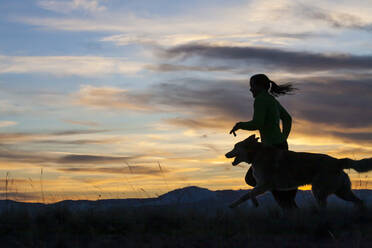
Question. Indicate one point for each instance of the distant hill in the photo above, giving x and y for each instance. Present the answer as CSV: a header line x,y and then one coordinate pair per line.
x,y
192,196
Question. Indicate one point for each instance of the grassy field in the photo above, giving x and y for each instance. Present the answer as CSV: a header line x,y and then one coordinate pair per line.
x,y
193,226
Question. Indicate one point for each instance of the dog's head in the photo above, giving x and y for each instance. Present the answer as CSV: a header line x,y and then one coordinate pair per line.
x,y
244,151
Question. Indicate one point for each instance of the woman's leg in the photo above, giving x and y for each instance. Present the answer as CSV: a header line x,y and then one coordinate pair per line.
x,y
285,199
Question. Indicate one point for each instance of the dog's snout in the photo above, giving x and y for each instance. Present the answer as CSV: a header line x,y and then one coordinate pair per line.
x,y
230,154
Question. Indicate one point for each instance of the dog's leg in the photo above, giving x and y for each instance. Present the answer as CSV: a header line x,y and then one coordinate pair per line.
x,y
240,200
345,193
251,194
320,197
258,190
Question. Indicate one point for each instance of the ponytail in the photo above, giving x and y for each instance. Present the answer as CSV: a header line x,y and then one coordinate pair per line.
x,y
283,89
276,90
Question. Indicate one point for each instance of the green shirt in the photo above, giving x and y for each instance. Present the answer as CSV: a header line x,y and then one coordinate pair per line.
x,y
266,118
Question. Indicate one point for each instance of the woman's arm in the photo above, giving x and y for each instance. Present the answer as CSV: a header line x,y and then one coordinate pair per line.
x,y
286,120
258,118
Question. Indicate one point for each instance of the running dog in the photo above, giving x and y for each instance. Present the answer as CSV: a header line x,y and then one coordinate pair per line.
x,y
276,169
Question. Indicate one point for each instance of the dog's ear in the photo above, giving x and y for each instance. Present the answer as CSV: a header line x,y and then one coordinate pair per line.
x,y
252,139
250,142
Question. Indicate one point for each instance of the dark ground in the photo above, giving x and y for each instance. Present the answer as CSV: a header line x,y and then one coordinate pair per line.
x,y
190,226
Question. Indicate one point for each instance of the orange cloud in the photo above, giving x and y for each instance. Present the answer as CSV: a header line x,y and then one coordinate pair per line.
x,y
111,98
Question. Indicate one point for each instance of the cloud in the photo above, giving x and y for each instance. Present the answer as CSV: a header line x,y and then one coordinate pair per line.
x,y
83,123
330,135
24,137
8,184
8,107
193,24
239,39
25,157
156,39
201,123
360,183
80,141
215,103
335,19
213,148
77,132
318,100
261,36
364,152
7,123
333,101
20,196
267,32
173,67
90,159
204,98
53,159
86,66
354,136
129,25
133,169
272,58
72,5
15,137
74,24
111,98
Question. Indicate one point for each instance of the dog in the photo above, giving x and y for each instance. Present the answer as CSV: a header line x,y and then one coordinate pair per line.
x,y
276,169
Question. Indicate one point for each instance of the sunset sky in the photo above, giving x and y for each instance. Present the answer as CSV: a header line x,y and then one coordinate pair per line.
x,y
118,99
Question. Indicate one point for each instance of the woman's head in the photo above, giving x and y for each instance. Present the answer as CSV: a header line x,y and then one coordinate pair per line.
x,y
260,82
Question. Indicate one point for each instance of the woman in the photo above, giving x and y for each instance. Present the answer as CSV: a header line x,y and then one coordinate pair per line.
x,y
266,118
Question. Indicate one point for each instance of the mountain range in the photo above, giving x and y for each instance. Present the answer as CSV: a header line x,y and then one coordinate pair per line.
x,y
192,196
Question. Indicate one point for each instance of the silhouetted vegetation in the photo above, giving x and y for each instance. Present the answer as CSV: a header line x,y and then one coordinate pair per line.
x,y
193,226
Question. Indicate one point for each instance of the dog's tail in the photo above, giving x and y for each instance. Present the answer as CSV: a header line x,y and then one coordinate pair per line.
x,y
362,165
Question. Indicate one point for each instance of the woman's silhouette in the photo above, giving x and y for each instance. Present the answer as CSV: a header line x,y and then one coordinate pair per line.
x,y
266,118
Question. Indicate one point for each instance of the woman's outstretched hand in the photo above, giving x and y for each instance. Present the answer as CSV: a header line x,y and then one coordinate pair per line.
x,y
235,128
